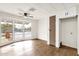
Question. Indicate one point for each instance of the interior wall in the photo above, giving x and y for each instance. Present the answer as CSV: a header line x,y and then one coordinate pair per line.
x,y
60,30
78,34
78,28
43,28
34,29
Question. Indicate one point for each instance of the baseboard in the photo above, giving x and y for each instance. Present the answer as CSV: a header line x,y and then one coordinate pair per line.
x,y
68,47
42,39
35,39
65,46
52,45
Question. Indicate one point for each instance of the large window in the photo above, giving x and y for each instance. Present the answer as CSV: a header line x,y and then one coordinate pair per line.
x,y
14,31
18,31
27,30
6,32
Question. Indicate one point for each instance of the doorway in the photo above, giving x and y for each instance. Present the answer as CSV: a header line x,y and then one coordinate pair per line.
x,y
68,32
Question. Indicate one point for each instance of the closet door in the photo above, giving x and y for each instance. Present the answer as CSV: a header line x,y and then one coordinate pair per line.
x,y
69,32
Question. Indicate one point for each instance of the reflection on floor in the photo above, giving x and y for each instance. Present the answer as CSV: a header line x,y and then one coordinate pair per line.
x,y
35,48
4,41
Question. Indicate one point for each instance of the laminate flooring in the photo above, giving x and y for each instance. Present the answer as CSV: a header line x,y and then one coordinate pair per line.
x,y
35,48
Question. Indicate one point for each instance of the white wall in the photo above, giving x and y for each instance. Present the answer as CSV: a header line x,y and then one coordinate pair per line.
x,y
43,30
60,30
78,34
34,29
78,29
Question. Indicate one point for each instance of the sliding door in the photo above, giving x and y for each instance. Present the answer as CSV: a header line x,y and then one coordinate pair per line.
x,y
27,31
6,32
18,31
12,30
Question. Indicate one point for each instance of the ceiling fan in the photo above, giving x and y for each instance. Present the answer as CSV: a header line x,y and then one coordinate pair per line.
x,y
26,14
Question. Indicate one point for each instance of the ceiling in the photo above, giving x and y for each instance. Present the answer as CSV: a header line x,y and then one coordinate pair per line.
x,y
41,8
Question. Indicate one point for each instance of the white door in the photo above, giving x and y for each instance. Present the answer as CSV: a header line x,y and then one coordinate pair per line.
x,y
69,32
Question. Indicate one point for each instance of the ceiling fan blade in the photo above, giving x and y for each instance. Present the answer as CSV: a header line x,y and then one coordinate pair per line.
x,y
32,9
28,14
21,10
21,14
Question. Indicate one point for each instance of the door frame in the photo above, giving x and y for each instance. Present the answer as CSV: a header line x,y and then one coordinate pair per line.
x,y
61,25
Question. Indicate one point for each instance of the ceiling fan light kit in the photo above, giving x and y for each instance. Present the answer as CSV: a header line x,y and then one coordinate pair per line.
x,y
25,14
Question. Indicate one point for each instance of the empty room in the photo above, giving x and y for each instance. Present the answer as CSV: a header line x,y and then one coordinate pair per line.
x,y
39,29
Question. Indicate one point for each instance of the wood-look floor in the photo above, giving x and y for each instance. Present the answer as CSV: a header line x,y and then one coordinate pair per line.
x,y
35,48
